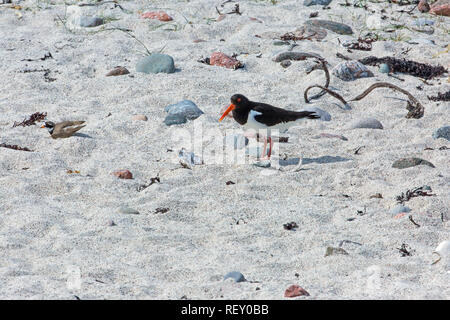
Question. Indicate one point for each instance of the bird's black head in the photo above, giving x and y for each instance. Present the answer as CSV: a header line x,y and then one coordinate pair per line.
x,y
238,101
49,125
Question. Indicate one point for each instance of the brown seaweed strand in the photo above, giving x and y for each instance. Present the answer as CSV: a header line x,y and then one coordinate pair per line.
x,y
415,108
322,64
329,91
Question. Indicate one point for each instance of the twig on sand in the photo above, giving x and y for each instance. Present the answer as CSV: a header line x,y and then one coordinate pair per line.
x,y
321,64
415,108
414,223
14,147
330,92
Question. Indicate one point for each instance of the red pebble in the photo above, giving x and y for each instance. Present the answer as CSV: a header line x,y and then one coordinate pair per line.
x,y
222,60
123,174
295,291
423,6
441,8
159,15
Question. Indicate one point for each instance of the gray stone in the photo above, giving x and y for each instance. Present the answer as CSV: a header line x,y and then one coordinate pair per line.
x,y
423,22
285,63
337,27
189,159
262,164
324,159
367,123
280,43
237,141
333,251
235,275
411,162
187,108
172,119
384,68
89,22
324,116
399,209
351,70
442,132
316,2
156,63
293,55
127,210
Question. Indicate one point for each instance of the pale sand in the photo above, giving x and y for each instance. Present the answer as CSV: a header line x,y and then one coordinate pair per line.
x,y
54,225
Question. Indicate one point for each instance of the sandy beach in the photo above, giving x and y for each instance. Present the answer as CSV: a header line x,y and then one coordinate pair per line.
x,y
69,228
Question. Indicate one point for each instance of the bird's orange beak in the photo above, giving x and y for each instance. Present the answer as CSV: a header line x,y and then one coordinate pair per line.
x,y
43,126
229,109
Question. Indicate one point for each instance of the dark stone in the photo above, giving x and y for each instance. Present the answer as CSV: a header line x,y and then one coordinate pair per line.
x,y
411,162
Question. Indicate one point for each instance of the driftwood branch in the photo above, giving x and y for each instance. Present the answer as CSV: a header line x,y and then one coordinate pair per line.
x,y
415,108
330,92
321,64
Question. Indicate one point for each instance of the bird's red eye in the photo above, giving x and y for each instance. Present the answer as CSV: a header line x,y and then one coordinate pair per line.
x,y
238,99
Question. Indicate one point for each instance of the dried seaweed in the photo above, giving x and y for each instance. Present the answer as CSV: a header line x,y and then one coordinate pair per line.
x,y
38,116
414,107
405,250
290,226
413,68
360,44
332,93
416,192
14,147
321,64
441,97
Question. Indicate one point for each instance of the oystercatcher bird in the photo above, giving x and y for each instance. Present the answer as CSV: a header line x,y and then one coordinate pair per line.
x,y
262,116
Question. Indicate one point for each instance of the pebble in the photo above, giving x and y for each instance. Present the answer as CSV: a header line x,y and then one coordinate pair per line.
x,y
295,291
118,71
236,141
292,55
262,164
337,27
399,209
281,43
329,135
441,8
89,22
351,70
384,68
156,63
423,22
127,210
443,132
332,251
123,174
172,119
222,60
324,159
140,117
410,162
423,6
367,123
235,275
443,248
376,196
158,15
316,2
186,108
324,116
285,63
188,159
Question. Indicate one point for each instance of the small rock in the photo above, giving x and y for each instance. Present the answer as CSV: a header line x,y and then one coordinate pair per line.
x,y
332,250
222,60
421,22
441,8
89,22
118,71
399,209
384,68
111,223
410,162
140,117
172,119
295,291
324,116
423,6
188,159
187,108
377,196
236,141
443,249
292,55
443,132
281,43
329,135
316,2
337,27
235,275
351,70
156,63
127,210
123,174
367,123
158,15
285,63
262,164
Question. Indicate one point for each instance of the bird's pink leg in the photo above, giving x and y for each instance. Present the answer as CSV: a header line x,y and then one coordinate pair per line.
x,y
270,146
263,154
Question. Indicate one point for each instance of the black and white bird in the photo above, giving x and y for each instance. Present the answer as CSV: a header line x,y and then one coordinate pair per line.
x,y
261,116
